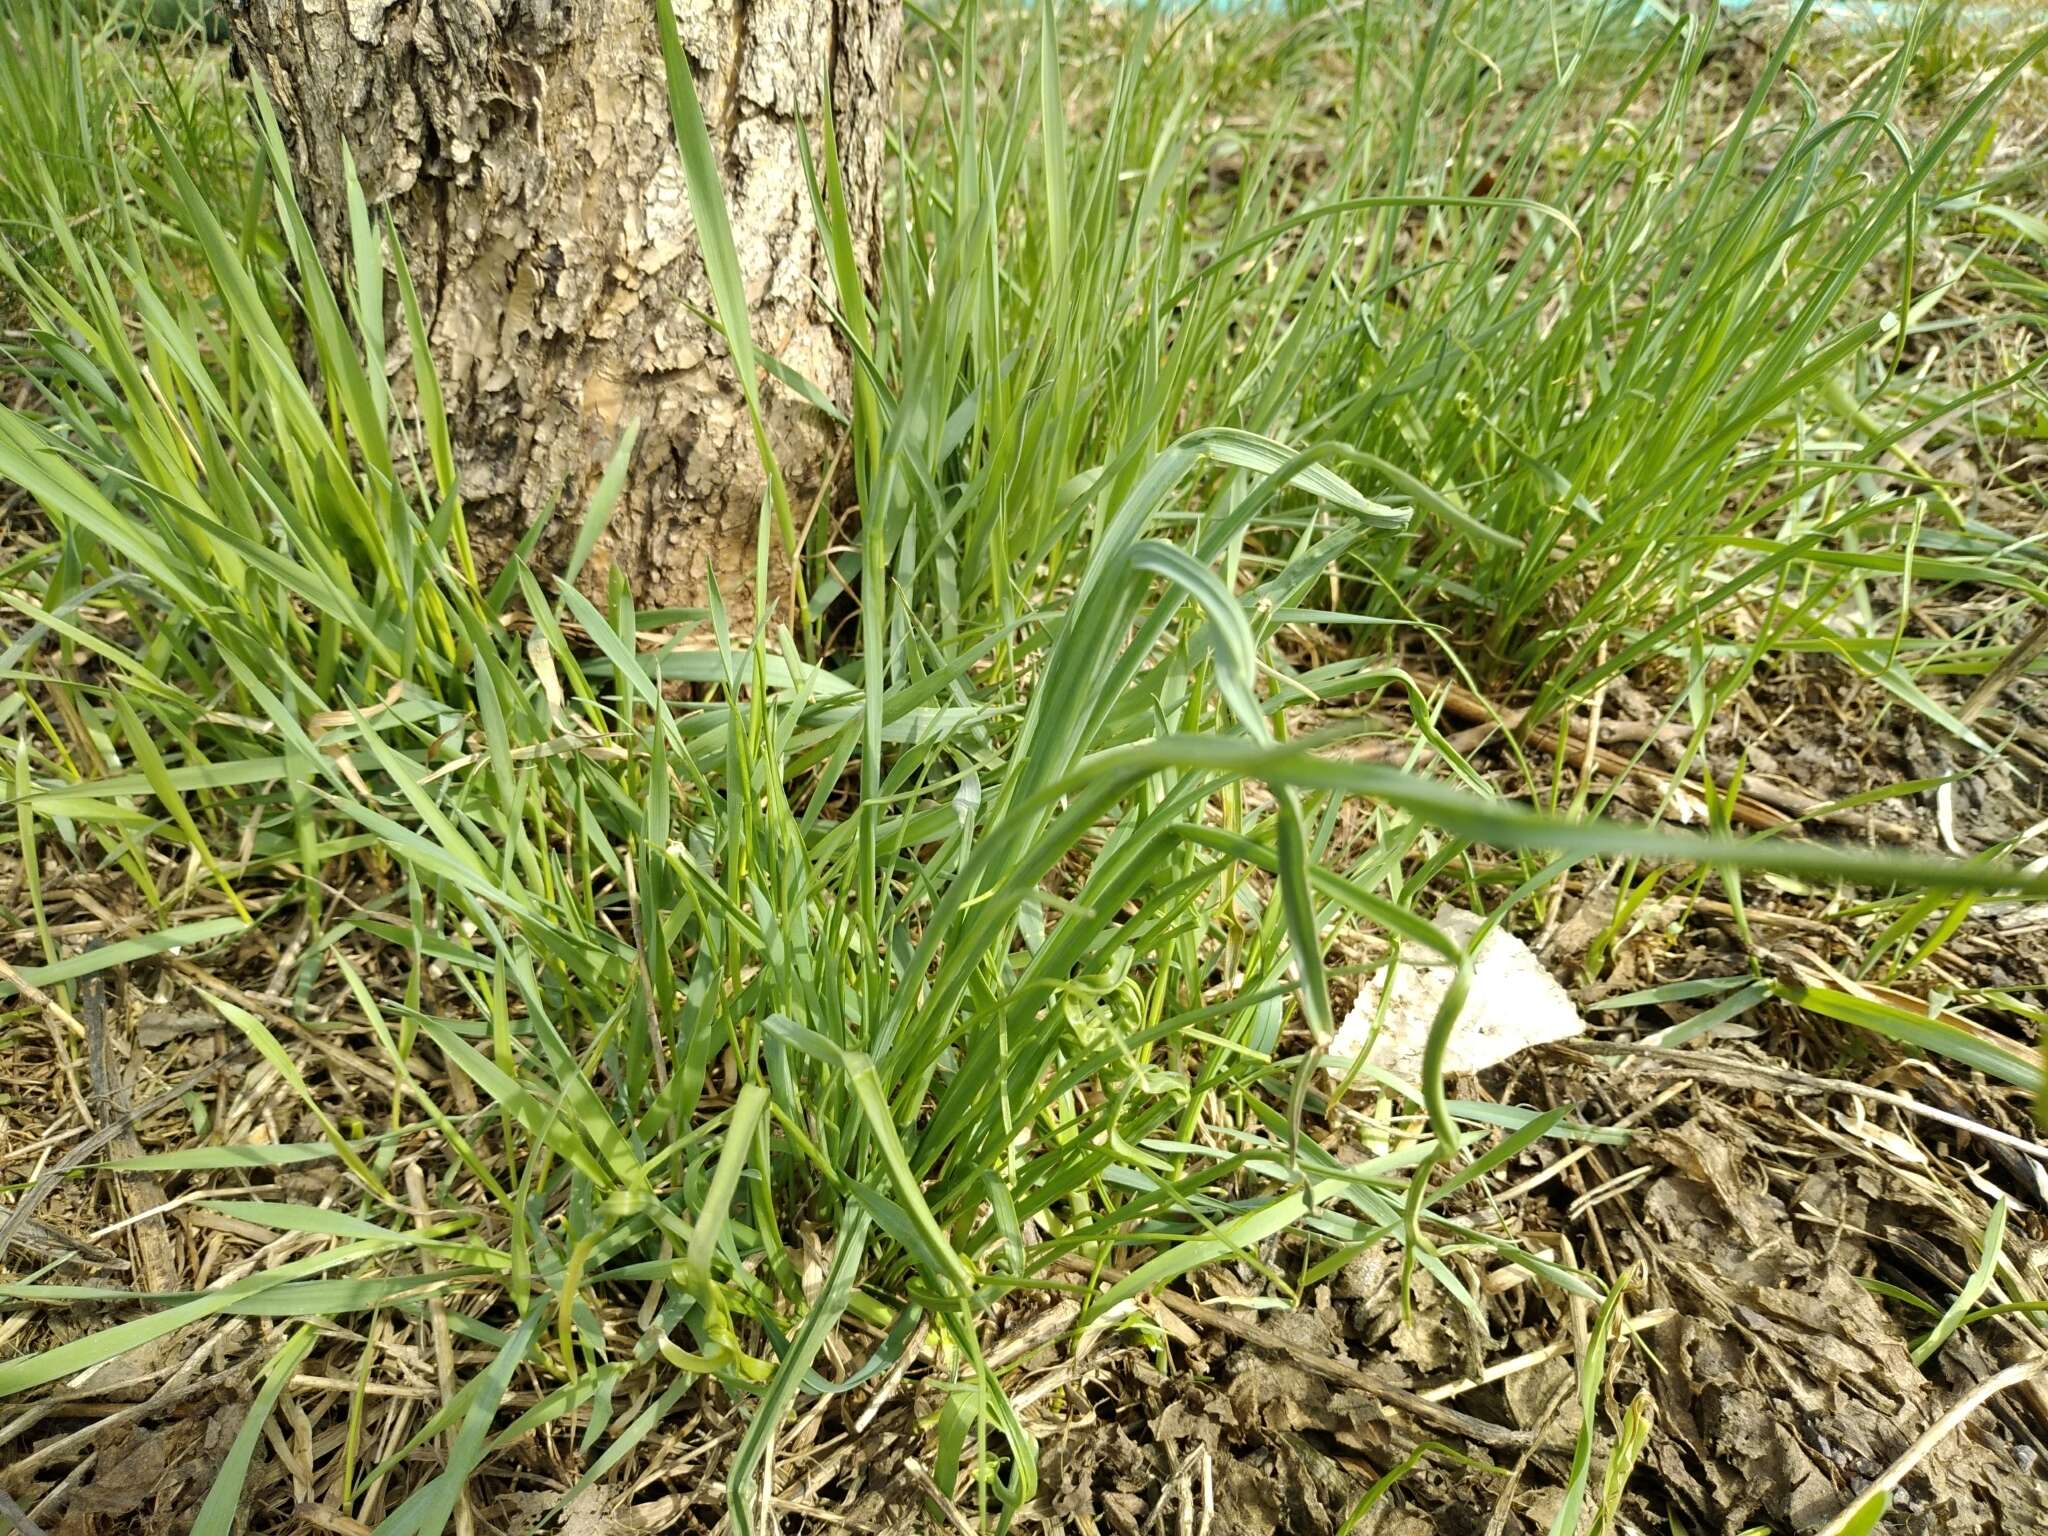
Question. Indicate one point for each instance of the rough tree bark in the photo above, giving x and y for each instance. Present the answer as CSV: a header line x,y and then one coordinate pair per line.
x,y
524,149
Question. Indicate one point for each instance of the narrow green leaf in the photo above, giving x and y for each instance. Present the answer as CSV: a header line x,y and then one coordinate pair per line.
x,y
145,946
716,249
1974,1287
216,1515
258,1034
26,1371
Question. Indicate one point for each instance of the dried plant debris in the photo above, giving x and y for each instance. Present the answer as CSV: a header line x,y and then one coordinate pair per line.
x,y
1772,1382
1782,1384
150,1478
1260,1446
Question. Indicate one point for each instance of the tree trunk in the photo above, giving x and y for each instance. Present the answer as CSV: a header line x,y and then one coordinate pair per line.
x,y
525,151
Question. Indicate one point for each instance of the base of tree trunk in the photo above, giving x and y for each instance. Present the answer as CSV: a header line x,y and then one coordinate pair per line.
x,y
524,151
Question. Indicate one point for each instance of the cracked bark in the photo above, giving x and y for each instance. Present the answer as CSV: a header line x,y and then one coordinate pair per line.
x,y
523,149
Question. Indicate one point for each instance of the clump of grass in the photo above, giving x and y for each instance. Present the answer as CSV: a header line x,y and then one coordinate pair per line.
x,y
79,82
987,942
1645,383
1630,324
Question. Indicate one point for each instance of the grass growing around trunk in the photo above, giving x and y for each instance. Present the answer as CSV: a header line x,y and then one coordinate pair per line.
x,y
622,1002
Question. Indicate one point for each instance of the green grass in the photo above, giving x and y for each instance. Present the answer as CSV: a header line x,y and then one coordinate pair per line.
x,y
985,936
79,79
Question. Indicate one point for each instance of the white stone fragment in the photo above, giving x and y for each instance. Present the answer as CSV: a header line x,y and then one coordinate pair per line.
x,y
1514,1003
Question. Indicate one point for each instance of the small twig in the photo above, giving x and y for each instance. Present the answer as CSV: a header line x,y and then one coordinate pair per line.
x,y
1935,1433
1469,706
143,1196
1695,1063
17,1521
41,1241
59,1019
1501,1370
1750,808
183,1382
51,1505
1178,1493
1342,1373
442,1336
1766,917
893,1379
1034,1335
1504,1501
2021,657
267,1010
333,1521
932,1491
37,1192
